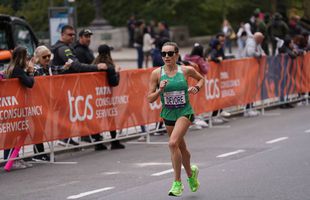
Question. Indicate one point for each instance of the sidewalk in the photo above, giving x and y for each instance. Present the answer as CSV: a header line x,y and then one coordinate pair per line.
x,y
126,58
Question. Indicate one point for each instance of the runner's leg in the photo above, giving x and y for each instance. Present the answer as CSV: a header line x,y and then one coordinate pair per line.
x,y
175,140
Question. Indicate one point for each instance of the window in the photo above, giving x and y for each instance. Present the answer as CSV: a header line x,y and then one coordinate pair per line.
x,y
3,38
23,37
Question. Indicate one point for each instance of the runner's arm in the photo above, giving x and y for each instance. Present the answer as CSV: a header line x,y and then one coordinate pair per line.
x,y
191,72
154,91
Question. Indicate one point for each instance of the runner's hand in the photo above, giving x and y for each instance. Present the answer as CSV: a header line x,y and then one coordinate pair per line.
x,y
193,90
162,84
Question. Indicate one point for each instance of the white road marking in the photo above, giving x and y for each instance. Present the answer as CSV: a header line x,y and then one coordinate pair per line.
x,y
163,172
63,163
152,164
165,143
89,193
307,131
110,173
276,140
272,114
230,153
220,126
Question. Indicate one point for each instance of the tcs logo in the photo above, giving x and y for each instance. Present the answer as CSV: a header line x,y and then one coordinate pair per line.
x,y
74,103
212,89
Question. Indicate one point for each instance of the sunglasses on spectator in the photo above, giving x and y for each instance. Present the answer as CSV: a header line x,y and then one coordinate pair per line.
x,y
70,34
169,53
46,56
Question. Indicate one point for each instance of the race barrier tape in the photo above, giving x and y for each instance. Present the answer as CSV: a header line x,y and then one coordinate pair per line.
x,y
73,105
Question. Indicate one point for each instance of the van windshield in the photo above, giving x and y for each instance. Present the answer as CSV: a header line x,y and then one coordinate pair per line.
x,y
3,37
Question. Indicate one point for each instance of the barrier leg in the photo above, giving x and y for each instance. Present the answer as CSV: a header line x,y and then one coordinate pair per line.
x,y
210,121
148,137
52,154
263,107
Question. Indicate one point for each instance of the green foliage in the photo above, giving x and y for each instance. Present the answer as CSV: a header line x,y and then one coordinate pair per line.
x,y
38,18
201,16
85,12
6,10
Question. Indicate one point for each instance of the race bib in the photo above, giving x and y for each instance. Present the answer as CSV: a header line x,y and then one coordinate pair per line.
x,y
175,99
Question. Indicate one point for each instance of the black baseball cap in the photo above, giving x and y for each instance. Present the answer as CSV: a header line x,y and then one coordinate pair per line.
x,y
104,49
85,32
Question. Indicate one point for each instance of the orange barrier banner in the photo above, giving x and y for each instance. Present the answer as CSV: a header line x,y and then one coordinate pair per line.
x,y
71,105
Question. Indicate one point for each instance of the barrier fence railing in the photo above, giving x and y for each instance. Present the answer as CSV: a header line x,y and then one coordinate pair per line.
x,y
80,104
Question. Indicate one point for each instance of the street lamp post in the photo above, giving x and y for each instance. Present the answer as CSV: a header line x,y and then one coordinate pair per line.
x,y
99,21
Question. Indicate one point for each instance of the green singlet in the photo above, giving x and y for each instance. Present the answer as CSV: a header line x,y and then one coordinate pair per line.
x,y
174,97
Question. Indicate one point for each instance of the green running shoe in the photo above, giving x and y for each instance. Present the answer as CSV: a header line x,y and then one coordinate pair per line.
x,y
176,189
193,181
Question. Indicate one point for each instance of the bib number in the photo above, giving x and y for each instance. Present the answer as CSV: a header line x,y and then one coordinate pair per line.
x,y
175,99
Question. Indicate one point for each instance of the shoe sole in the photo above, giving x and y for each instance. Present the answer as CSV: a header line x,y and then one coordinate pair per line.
x,y
174,195
197,179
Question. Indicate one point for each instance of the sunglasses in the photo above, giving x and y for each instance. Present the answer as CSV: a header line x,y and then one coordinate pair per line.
x,y
71,34
46,56
169,53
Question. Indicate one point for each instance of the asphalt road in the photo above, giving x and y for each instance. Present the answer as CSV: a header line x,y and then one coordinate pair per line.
x,y
261,158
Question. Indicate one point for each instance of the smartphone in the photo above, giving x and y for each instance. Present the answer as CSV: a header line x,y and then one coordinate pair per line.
x,y
70,61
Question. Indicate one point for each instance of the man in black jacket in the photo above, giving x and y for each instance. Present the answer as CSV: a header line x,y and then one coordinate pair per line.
x,y
63,53
85,55
81,47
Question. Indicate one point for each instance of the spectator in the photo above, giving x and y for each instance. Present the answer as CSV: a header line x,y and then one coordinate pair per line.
x,y
262,27
105,57
305,34
163,30
63,53
242,36
217,55
253,48
153,28
85,55
42,59
196,56
81,47
286,48
229,35
300,44
277,28
18,68
218,40
294,25
131,30
139,30
147,45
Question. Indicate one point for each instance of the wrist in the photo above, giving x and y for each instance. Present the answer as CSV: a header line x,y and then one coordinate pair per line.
x,y
197,87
